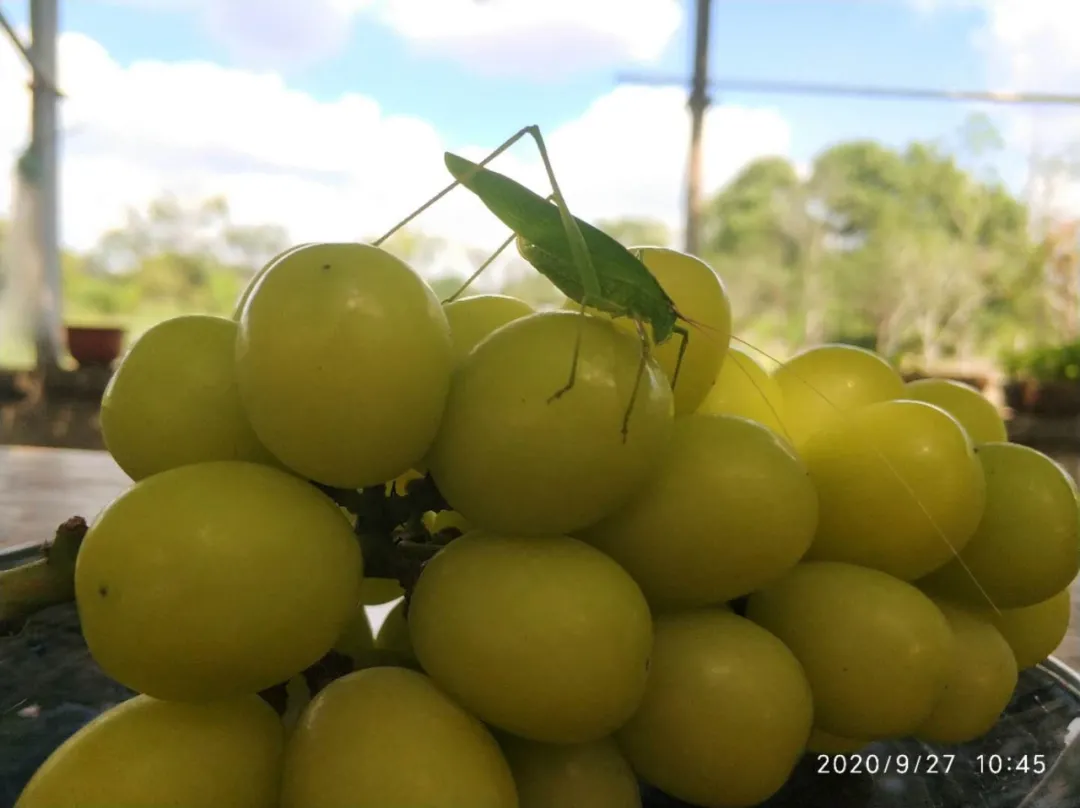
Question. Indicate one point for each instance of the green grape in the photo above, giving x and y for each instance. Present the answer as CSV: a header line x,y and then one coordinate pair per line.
x,y
744,388
967,405
820,384
900,488
1027,545
980,683
875,649
1035,632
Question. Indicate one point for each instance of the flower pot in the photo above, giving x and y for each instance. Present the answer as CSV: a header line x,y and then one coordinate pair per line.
x,y
1053,399
94,347
1014,392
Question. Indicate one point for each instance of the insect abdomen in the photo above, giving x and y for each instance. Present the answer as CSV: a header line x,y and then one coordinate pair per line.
x,y
618,297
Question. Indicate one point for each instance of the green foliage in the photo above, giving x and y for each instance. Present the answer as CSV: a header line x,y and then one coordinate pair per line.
x,y
1047,363
170,259
906,251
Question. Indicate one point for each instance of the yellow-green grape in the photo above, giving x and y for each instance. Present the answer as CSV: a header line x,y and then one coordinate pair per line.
x,y
967,405
819,385
1035,632
860,634
473,318
899,485
982,678
744,388
1027,545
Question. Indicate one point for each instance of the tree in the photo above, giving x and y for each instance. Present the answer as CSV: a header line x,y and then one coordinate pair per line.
x,y
171,257
905,250
761,234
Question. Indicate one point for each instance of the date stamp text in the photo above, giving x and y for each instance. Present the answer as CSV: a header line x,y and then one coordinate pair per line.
x,y
892,763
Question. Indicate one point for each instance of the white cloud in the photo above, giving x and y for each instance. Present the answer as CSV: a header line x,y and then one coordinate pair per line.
x,y
343,169
1034,45
547,39
550,38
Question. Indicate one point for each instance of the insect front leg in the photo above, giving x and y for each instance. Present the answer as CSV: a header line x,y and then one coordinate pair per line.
x,y
506,145
479,270
575,356
646,347
684,341
488,262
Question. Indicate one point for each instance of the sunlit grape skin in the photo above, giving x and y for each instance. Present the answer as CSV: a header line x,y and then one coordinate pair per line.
x,y
511,459
1026,547
859,633
562,656
744,388
192,585
899,485
703,732
473,318
144,751
332,382
967,405
729,508
820,384
201,417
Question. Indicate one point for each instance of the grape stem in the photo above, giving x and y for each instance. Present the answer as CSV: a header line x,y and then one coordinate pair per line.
x,y
390,528
45,581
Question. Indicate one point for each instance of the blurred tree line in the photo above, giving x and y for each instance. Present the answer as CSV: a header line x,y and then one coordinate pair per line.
x,y
919,252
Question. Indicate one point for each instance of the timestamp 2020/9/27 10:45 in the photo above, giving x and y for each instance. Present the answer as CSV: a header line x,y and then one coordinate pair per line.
x,y
926,764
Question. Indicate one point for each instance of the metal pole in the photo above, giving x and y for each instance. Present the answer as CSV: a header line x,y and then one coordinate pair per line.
x,y
699,103
801,88
44,31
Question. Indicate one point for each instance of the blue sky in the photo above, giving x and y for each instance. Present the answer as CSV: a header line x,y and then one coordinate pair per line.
x,y
843,41
561,74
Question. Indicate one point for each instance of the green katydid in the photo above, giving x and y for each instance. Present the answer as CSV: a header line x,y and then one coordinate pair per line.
x,y
584,263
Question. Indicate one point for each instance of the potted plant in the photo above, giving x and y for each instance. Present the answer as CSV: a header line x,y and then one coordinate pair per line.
x,y
94,346
1044,380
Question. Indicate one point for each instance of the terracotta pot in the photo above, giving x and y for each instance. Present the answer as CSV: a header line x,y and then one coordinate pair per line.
x,y
1014,392
1054,399
94,347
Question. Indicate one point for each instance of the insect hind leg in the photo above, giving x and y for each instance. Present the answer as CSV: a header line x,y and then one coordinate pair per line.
x,y
487,262
684,342
528,130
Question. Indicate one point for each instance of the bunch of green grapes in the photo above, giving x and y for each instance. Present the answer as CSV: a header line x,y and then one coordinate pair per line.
x,y
557,598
